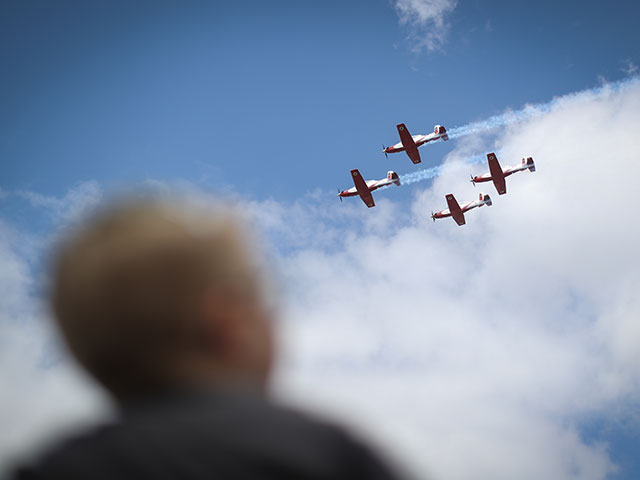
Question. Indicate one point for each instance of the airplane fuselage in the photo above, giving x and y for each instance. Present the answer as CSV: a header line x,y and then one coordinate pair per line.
x,y
465,207
457,210
371,185
486,177
418,139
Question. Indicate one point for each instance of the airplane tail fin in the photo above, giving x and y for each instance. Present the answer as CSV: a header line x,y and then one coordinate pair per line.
x,y
529,163
393,176
486,199
439,129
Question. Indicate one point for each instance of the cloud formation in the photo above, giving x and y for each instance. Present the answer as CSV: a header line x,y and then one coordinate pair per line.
x,y
466,352
476,352
73,204
629,68
426,20
44,394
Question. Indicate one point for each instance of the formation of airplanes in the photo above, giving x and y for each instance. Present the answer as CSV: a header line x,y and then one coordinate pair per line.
x,y
409,144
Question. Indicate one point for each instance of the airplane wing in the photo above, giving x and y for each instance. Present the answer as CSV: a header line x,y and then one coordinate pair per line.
x,y
407,142
497,174
454,208
361,187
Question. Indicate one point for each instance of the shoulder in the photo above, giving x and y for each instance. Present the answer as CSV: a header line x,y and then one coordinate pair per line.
x,y
206,436
74,454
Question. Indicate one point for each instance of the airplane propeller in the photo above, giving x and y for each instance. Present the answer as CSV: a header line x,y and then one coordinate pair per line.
x,y
433,216
340,196
472,180
384,150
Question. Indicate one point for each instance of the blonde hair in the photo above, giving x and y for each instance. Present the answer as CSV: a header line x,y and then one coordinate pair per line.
x,y
127,283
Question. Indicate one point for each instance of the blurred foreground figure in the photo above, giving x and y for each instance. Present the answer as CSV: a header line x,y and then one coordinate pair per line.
x,y
165,307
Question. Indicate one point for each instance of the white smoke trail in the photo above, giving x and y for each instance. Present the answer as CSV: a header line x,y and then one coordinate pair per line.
x,y
420,175
511,117
429,173
532,111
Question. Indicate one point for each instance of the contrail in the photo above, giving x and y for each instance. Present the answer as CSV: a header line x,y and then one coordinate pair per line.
x,y
420,175
511,117
536,110
428,173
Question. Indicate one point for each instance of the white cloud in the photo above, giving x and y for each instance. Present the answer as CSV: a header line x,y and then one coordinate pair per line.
x,y
477,351
629,67
72,205
467,352
43,393
426,20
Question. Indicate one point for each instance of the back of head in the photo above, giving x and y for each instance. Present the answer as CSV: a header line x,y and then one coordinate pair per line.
x,y
150,295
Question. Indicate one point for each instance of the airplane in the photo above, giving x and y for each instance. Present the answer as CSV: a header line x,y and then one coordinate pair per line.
x,y
456,210
364,189
410,143
497,174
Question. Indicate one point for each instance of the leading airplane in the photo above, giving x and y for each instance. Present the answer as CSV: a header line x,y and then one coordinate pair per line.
x,y
364,188
410,143
497,174
456,210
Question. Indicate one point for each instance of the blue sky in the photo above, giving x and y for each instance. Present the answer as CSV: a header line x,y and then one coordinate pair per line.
x,y
274,102
272,98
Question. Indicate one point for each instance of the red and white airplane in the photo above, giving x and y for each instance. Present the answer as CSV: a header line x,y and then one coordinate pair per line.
x,y
364,188
456,210
410,143
497,174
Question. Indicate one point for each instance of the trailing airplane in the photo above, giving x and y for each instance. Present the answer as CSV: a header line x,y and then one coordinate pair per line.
x,y
497,174
364,188
410,143
456,210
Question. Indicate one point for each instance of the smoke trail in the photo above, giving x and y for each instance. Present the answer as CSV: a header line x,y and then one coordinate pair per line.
x,y
420,175
501,120
533,111
429,173
508,118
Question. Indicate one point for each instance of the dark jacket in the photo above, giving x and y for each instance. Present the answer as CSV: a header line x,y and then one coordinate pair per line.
x,y
210,436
